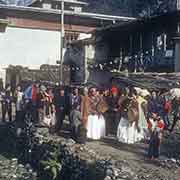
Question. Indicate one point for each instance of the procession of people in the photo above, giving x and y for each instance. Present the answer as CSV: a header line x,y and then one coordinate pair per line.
x,y
130,114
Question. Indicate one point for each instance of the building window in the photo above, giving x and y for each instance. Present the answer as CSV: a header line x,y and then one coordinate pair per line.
x,y
46,5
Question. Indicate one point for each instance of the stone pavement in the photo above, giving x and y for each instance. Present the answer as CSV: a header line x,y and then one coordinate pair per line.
x,y
10,169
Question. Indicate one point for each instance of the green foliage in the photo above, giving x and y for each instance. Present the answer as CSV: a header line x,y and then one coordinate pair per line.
x,y
113,7
132,7
52,166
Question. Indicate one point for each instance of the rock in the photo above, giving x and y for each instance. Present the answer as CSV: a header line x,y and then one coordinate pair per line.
x,y
21,166
173,160
178,162
14,176
70,142
109,172
14,160
116,172
107,178
10,169
28,166
127,170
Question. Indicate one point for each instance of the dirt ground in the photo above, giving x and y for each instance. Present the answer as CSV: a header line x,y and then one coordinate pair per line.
x,y
133,158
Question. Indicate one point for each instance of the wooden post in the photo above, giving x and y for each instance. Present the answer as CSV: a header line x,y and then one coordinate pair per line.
x,y
141,43
131,41
120,60
152,41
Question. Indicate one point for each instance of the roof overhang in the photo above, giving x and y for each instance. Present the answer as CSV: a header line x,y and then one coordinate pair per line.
x,y
166,18
71,2
58,12
59,1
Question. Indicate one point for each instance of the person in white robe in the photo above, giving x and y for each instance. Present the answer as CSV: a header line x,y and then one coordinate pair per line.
x,y
142,123
96,121
128,128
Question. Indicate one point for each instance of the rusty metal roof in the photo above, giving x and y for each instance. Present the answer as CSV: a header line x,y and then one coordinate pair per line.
x,y
150,80
58,12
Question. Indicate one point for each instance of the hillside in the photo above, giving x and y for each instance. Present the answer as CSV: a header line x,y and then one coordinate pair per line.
x,y
114,7
119,7
131,7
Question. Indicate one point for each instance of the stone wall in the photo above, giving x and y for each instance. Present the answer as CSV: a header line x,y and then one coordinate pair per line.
x,y
77,162
54,157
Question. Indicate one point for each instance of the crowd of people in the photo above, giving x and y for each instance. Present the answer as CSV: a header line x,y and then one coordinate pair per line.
x,y
130,114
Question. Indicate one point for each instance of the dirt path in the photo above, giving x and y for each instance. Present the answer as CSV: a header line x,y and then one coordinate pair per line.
x,y
133,159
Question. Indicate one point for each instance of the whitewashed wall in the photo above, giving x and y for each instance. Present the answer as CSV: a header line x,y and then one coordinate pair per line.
x,y
29,47
3,75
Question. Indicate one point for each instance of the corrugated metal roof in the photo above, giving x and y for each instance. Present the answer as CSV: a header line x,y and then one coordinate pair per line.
x,y
137,21
56,11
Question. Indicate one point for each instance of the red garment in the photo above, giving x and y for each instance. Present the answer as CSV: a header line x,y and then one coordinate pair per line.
x,y
34,93
153,124
168,107
114,89
149,124
161,124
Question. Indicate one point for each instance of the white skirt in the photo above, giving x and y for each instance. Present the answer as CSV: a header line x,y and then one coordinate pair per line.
x,y
133,134
95,127
128,133
122,132
49,120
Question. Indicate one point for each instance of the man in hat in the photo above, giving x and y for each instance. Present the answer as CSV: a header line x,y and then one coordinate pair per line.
x,y
114,115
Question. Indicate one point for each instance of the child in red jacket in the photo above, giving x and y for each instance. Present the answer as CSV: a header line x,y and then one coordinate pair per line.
x,y
156,126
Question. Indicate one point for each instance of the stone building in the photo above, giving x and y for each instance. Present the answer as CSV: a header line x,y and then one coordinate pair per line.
x,y
48,74
30,36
